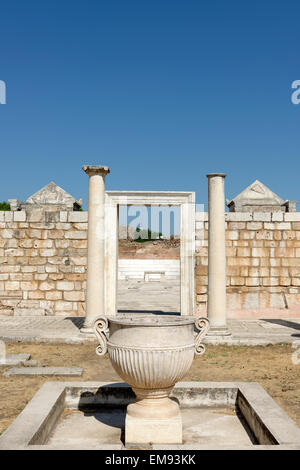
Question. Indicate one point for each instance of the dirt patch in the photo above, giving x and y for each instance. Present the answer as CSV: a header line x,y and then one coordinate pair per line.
x,y
159,249
271,366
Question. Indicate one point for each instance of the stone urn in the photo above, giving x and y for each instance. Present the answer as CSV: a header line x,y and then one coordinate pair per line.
x,y
151,353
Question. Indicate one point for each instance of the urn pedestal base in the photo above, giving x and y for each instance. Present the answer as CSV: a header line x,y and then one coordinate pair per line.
x,y
153,418
155,431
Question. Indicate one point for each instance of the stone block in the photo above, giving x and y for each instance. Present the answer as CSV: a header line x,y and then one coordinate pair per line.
x,y
29,285
27,312
277,216
202,251
269,226
232,234
56,276
19,216
43,371
80,226
260,252
242,252
237,281
43,243
257,243
254,225
63,216
200,235
65,285
78,260
36,295
277,301
238,216
14,252
46,285
13,359
78,216
76,234
202,298
253,281
62,306
277,235
292,217
285,281
8,216
289,235
279,272
53,234
41,276
12,285
251,300
262,216
201,290
236,225
78,243
284,252
35,215
48,252
53,295
7,233
270,281
247,235
52,216
36,261
34,233
202,280
264,235
283,226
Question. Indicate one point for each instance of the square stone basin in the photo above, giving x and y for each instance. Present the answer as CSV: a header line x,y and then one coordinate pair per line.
x,y
90,415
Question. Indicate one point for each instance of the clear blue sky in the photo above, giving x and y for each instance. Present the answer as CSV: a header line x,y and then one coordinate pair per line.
x,y
161,91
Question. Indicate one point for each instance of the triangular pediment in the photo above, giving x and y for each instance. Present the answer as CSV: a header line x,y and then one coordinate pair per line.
x,y
258,192
51,194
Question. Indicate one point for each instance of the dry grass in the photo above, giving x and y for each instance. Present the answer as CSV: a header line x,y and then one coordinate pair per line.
x,y
271,366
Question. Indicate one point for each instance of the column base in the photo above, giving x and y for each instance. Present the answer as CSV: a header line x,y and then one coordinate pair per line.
x,y
88,328
154,431
218,332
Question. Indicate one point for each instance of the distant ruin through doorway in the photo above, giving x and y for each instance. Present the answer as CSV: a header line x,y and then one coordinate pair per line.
x,y
186,201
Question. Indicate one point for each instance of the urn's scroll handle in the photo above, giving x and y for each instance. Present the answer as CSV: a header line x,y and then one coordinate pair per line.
x,y
202,324
102,332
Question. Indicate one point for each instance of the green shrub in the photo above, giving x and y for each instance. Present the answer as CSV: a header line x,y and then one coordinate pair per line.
x,y
4,206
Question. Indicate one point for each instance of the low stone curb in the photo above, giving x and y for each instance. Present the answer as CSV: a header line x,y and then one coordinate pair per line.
x,y
48,371
14,359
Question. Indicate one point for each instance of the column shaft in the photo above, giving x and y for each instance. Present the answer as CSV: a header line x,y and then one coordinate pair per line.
x,y
95,293
216,310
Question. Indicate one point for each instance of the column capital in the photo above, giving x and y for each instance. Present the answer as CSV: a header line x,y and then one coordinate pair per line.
x,y
96,170
211,175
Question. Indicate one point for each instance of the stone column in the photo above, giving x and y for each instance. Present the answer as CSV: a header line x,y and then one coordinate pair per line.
x,y
216,309
96,239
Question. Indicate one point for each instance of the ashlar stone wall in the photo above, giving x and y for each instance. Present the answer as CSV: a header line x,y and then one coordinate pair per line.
x,y
43,261
43,257
263,260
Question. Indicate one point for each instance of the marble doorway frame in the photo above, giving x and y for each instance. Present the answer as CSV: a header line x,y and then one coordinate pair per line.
x,y
186,201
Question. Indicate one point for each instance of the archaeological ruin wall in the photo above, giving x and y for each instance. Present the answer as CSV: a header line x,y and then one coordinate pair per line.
x,y
263,261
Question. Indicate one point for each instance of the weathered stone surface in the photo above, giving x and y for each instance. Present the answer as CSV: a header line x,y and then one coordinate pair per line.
x,y
13,359
257,197
44,371
52,194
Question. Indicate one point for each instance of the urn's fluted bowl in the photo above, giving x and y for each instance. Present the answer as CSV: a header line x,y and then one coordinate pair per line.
x,y
149,351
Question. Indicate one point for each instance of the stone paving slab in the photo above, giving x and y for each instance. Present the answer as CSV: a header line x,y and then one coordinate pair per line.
x,y
13,359
62,329
49,371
